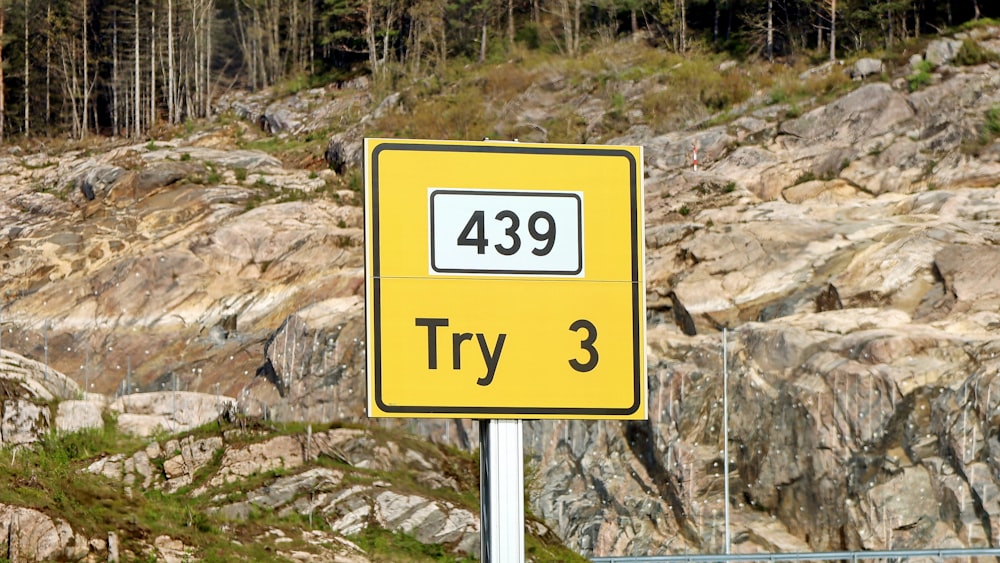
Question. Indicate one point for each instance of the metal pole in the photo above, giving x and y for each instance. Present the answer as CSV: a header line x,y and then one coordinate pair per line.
x,y
46,348
501,488
725,433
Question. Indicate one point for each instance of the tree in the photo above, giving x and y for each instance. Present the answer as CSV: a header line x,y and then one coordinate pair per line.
x,y
673,15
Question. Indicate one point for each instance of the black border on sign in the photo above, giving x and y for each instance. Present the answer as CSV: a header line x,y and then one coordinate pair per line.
x,y
579,233
638,316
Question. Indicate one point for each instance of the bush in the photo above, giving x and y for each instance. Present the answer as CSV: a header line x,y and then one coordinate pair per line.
x,y
990,129
529,35
972,53
921,75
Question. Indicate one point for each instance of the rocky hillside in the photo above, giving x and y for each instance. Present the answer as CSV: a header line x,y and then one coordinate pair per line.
x,y
86,481
848,248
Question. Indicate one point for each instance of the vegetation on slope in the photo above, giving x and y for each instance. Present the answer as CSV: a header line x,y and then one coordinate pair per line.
x,y
51,477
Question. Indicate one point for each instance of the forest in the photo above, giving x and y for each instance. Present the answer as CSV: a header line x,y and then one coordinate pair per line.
x,y
122,67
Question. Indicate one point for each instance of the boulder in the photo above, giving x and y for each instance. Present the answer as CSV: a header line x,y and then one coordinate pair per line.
x,y
23,422
163,174
866,113
942,51
345,151
73,416
175,411
95,181
865,67
31,535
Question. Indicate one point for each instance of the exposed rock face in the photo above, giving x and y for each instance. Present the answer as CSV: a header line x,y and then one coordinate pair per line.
x,y
73,416
849,254
26,388
29,535
144,414
319,492
866,67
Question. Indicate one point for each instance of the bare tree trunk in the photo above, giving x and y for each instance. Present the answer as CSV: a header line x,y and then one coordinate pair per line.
x,y
482,39
370,37
386,29
171,78
193,85
770,30
294,38
70,83
684,25
209,20
152,67
86,76
311,18
48,65
570,24
576,26
27,75
510,22
114,73
3,104
259,58
443,29
136,122
833,30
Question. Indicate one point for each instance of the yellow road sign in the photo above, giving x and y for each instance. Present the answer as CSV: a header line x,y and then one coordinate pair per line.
x,y
504,280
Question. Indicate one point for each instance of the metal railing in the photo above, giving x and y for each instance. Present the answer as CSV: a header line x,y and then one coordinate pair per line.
x,y
887,555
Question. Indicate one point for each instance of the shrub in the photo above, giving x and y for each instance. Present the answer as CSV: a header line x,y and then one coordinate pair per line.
x,y
921,75
807,176
992,125
972,53
988,131
529,35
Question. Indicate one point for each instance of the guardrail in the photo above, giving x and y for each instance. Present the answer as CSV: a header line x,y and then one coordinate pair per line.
x,y
888,555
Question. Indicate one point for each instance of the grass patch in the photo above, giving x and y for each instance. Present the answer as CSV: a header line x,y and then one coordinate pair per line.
x,y
807,176
972,53
37,478
398,547
266,193
991,127
459,114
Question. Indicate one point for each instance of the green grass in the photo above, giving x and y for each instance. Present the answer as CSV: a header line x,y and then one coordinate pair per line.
x,y
991,127
398,547
973,53
50,477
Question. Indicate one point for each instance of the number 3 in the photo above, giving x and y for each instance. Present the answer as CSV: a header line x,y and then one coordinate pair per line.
x,y
585,344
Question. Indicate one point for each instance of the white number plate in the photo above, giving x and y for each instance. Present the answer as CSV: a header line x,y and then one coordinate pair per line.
x,y
506,232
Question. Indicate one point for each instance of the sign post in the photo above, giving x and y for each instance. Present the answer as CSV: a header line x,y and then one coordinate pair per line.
x,y
504,282
501,486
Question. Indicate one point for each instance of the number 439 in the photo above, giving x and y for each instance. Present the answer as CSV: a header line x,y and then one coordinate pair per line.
x,y
541,227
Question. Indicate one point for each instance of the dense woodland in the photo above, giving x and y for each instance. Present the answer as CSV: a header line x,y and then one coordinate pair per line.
x,y
121,67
